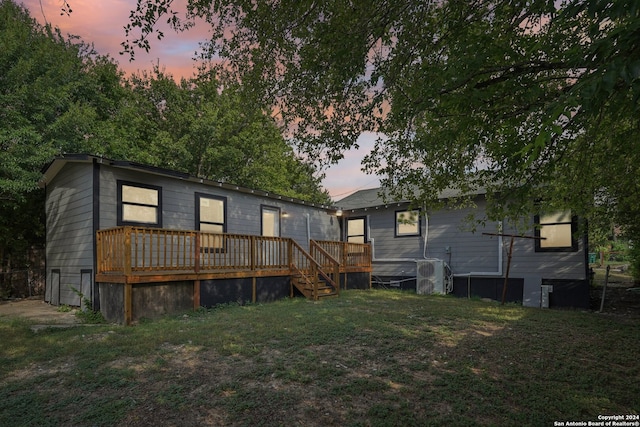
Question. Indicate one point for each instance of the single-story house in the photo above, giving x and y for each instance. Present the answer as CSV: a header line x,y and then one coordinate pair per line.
x,y
438,251
135,241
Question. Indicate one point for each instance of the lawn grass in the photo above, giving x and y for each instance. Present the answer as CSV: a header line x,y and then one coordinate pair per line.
x,y
367,358
615,277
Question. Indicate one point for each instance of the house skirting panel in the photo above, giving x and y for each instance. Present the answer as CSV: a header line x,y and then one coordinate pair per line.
x,y
488,287
568,293
243,290
112,301
564,293
355,280
131,302
148,300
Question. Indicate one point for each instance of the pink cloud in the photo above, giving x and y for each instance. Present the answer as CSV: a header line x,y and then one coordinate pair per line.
x,y
347,177
102,23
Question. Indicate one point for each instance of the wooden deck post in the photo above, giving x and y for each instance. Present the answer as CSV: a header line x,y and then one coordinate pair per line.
x,y
196,294
196,268
127,251
290,264
128,287
128,303
254,289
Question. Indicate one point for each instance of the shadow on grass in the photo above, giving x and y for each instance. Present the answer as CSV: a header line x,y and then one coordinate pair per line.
x,y
366,358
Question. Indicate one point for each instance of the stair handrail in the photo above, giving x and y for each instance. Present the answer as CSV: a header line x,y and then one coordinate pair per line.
x,y
334,264
314,269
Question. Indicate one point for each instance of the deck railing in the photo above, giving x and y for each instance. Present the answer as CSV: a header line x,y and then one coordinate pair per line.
x,y
132,250
349,255
136,250
329,265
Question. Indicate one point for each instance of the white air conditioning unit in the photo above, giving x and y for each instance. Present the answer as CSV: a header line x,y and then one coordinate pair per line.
x,y
430,277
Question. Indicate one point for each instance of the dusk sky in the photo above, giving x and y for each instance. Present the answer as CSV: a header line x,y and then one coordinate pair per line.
x,y
101,23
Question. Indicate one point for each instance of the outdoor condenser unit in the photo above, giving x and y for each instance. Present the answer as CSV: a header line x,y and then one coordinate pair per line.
x,y
430,277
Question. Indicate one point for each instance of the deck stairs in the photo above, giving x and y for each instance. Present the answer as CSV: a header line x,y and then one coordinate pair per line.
x,y
313,289
315,274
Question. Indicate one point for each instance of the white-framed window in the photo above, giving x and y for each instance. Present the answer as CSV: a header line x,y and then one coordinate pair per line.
x,y
556,232
407,223
139,204
270,221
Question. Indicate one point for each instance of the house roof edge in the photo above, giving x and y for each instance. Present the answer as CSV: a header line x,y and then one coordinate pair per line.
x,y
51,170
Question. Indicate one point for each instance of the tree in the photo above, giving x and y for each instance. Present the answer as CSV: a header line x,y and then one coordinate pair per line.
x,y
52,91
537,101
57,95
198,127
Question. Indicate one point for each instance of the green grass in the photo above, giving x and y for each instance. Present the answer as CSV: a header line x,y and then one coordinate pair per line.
x,y
615,276
367,358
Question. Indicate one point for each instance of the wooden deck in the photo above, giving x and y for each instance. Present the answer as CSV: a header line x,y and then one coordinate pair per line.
x,y
132,255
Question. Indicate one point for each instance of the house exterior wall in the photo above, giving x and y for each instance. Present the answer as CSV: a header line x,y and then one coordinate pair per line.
x,y
82,198
69,233
448,235
526,261
243,210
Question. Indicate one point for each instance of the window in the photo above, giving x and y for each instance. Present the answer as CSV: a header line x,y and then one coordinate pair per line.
x,y
407,223
356,230
211,216
139,204
270,224
556,232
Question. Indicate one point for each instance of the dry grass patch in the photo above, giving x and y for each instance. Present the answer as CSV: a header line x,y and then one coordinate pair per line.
x,y
368,358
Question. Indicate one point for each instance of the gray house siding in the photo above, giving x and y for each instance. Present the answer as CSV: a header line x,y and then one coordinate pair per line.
x,y
477,259
82,197
69,250
466,250
447,236
548,265
243,210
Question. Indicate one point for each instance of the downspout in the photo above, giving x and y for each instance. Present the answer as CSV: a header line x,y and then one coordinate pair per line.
x,y
95,291
308,230
373,250
47,277
426,237
424,249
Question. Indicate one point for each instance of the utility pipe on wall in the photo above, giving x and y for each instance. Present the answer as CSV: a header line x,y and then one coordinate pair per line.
x,y
308,229
424,252
373,250
497,273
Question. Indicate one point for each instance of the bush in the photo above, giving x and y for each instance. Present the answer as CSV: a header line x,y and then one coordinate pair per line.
x,y
634,258
86,314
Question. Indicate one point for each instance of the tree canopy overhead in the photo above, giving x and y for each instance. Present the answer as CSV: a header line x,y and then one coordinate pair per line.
x,y
57,95
196,126
536,101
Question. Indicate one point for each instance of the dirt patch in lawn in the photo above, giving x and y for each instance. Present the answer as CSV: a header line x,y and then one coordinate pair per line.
x,y
37,311
621,299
